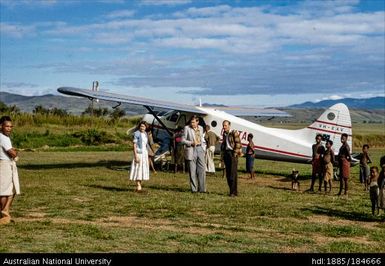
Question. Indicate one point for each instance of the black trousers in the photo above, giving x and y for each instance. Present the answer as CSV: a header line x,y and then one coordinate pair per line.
x,y
231,164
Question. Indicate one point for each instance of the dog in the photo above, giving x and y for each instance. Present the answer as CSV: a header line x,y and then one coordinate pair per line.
x,y
295,185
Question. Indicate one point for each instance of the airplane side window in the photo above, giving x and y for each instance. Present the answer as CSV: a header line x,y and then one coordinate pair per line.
x,y
214,123
174,117
325,137
182,120
331,116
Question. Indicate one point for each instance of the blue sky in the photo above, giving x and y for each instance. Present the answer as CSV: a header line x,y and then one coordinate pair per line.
x,y
255,53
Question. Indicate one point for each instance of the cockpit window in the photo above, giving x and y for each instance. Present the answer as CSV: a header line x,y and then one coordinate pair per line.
x,y
173,117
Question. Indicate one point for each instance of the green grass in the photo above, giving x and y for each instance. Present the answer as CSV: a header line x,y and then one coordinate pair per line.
x,y
84,202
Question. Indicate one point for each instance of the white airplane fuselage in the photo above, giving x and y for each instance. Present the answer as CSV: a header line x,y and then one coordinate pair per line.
x,y
269,143
273,143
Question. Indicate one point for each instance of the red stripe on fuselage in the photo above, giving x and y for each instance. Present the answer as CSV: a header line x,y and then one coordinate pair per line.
x,y
267,149
278,151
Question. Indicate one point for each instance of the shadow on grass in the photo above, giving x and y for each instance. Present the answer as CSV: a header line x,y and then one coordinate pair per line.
x,y
113,165
110,188
154,187
347,215
180,189
281,188
287,176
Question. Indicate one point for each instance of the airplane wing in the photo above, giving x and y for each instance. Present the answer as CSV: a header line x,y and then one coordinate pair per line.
x,y
237,111
113,97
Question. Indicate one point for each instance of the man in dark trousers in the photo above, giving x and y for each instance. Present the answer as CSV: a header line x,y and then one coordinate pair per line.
x,y
231,149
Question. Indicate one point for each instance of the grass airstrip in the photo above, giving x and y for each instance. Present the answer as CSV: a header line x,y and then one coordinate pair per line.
x,y
76,197
83,202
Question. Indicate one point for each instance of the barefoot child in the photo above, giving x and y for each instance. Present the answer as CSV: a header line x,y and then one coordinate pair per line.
x,y
374,189
328,161
364,167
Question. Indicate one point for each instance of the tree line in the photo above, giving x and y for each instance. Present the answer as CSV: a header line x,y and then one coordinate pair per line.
x,y
114,114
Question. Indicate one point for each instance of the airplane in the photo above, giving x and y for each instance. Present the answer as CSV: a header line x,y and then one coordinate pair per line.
x,y
270,143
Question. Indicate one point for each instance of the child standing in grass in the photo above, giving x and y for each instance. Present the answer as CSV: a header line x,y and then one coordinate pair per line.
x,y
328,161
374,189
140,167
364,167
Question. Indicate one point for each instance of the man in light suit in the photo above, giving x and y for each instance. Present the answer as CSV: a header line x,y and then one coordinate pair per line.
x,y
194,141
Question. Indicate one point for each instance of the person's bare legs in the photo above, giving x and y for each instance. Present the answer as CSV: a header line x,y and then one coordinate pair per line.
x,y
6,202
3,202
152,164
138,185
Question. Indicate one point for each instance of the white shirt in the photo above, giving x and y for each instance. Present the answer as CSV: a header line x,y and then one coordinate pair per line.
x,y
228,147
5,145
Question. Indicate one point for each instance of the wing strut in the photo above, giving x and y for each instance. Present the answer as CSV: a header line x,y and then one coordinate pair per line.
x,y
158,119
118,104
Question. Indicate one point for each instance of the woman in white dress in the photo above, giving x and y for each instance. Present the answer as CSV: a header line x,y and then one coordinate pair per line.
x,y
140,167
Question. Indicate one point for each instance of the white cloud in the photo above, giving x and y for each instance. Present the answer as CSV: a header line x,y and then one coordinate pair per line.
x,y
235,30
120,14
204,12
16,30
327,8
237,50
17,85
37,3
334,97
165,2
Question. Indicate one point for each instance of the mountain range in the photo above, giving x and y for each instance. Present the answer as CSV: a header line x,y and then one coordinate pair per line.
x,y
352,103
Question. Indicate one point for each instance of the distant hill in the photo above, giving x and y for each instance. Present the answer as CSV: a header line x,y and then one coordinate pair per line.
x,y
72,105
352,103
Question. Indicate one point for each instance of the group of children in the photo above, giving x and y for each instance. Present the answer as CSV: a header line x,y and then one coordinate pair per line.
x,y
323,161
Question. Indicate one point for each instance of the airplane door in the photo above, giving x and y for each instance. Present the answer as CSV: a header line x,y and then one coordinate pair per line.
x,y
182,121
202,122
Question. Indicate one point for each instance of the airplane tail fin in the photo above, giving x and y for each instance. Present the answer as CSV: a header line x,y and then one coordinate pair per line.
x,y
332,124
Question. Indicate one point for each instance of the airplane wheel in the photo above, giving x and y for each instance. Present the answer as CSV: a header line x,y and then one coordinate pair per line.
x,y
336,176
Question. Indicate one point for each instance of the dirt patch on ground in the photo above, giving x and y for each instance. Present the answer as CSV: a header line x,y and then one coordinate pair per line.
x,y
335,221
189,227
35,215
157,224
322,240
